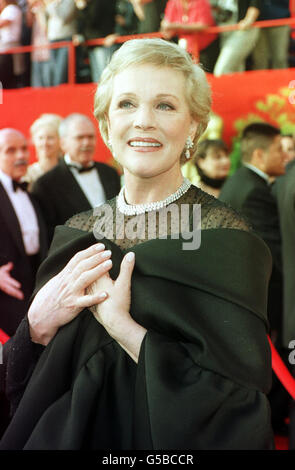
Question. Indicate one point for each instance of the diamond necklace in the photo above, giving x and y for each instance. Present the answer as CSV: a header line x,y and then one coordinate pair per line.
x,y
136,209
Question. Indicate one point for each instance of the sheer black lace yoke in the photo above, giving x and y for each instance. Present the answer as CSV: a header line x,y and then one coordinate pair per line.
x,y
128,231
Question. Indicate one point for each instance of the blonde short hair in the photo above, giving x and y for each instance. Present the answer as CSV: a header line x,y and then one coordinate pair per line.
x,y
46,120
160,53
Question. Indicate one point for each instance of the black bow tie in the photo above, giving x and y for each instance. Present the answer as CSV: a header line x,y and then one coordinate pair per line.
x,y
19,185
83,169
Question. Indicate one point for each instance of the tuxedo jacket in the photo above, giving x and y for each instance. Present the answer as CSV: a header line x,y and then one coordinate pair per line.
x,y
12,249
248,193
284,192
60,196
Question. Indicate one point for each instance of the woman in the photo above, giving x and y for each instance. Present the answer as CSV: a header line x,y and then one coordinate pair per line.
x,y
45,137
213,165
175,354
187,18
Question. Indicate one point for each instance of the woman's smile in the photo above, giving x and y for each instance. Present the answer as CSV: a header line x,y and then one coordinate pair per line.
x,y
144,144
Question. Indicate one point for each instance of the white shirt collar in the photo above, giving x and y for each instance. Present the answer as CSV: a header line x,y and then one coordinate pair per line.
x,y
6,180
257,171
69,161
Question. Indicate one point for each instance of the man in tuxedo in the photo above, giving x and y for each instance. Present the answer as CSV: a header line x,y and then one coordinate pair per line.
x,y
248,190
284,192
22,236
76,183
23,242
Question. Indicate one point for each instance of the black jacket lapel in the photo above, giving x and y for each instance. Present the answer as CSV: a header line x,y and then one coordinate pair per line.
x,y
10,217
72,189
42,230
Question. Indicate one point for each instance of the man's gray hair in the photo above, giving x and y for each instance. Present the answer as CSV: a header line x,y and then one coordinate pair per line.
x,y
67,121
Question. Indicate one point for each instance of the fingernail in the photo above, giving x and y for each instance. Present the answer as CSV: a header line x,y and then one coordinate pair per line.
x,y
107,263
130,256
103,295
106,253
99,247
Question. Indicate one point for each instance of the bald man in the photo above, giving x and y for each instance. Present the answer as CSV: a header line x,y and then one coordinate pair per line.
x,y
22,236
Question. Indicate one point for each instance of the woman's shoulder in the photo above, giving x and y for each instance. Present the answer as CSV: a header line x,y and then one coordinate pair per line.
x,y
218,214
80,220
86,220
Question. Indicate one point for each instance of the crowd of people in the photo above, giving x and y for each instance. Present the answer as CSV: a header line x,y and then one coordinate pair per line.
x,y
45,22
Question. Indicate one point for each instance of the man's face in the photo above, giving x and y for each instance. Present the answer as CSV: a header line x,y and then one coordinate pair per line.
x,y
288,144
79,142
275,158
14,154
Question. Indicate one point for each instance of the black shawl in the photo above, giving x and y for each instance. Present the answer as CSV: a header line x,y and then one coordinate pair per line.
x,y
204,366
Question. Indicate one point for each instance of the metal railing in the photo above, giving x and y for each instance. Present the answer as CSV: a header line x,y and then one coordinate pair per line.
x,y
120,39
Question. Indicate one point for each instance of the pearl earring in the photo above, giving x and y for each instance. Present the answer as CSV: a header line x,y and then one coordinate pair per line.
x,y
188,145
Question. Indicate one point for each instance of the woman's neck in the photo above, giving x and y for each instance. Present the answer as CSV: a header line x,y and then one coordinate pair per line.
x,y
147,190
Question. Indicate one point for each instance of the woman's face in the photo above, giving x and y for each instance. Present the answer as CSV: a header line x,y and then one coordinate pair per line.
x,y
216,164
46,141
149,120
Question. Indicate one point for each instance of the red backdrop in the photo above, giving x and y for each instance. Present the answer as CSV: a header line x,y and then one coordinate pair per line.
x,y
237,98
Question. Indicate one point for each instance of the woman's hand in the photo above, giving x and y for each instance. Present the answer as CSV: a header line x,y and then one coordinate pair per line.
x,y
113,314
62,298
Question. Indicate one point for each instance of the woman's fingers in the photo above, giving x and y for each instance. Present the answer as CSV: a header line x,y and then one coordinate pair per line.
x,y
88,277
123,281
84,255
91,262
91,299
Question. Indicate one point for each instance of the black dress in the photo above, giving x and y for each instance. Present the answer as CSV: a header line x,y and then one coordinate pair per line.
x,y
204,366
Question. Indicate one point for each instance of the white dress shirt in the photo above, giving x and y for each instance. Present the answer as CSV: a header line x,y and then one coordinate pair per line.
x,y
25,213
89,182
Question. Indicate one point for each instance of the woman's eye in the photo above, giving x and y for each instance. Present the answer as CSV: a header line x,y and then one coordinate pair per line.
x,y
125,104
165,106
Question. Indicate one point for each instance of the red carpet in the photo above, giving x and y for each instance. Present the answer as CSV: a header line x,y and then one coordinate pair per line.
x,y
3,337
281,442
